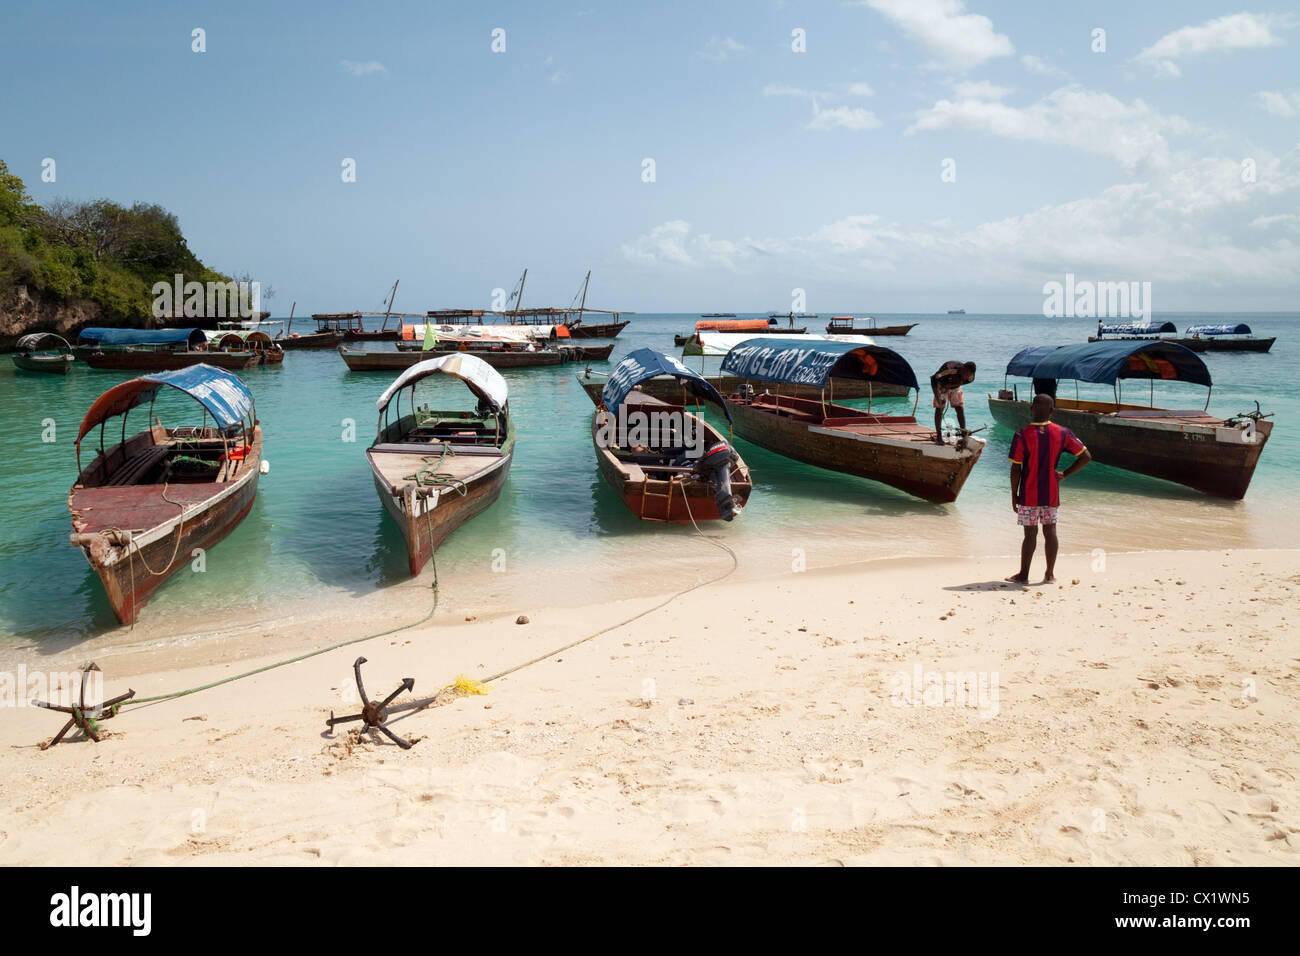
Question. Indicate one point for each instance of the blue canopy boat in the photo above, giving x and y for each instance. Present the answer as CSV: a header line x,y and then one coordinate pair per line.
x,y
666,463
893,449
1191,447
1226,337
154,350
142,506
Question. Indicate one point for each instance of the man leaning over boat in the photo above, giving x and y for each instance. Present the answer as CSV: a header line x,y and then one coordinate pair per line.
x,y
946,385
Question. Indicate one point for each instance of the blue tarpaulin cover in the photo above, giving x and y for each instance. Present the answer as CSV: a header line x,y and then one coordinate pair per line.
x,y
1106,362
221,393
789,360
1139,328
647,363
98,336
1240,328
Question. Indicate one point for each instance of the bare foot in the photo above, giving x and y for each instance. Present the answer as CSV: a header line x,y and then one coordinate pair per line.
x,y
1017,579
1049,579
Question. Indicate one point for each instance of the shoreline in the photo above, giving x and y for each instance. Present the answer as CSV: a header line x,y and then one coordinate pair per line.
x,y
769,736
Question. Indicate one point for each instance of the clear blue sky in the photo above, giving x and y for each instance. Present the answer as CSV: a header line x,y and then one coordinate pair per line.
x,y
774,169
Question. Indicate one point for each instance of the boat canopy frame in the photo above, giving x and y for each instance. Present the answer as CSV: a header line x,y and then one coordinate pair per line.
x,y
219,393
1110,362
640,365
484,381
814,363
31,342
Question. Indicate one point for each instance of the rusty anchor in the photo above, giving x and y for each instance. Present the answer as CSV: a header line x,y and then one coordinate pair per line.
x,y
374,715
83,721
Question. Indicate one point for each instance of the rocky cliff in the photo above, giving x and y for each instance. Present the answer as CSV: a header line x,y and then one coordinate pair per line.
x,y
21,312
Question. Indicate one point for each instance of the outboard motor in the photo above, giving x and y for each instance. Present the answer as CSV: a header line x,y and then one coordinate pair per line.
x,y
745,392
715,466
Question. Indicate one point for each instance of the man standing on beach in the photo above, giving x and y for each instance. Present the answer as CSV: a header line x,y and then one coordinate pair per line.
x,y
1035,482
946,384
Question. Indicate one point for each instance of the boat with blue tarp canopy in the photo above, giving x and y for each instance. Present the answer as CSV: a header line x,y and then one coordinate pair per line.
x,y
665,462
895,450
121,338
1136,328
1188,446
643,364
1107,362
1240,328
142,506
814,363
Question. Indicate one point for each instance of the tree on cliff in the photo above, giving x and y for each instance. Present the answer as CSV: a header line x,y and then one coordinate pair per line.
x,y
97,250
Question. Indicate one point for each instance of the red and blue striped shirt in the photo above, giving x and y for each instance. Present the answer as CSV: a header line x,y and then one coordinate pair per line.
x,y
1036,448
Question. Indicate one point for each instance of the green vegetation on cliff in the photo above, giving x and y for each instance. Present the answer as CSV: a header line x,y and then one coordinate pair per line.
x,y
95,250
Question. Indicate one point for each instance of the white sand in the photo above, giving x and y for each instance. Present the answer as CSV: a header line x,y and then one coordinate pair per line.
x,y
1145,715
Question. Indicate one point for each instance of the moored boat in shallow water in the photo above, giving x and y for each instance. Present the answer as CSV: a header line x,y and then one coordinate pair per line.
x,y
1189,446
895,450
143,504
436,469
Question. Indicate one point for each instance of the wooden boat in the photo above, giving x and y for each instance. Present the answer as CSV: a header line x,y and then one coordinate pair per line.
x,y
434,470
847,325
896,450
144,359
1190,447
1226,337
665,463
586,353
245,340
312,340
142,506
670,390
361,360
43,352
748,326
579,329
352,327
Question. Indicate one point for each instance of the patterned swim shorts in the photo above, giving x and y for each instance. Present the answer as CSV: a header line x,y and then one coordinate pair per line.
x,y
949,396
1031,516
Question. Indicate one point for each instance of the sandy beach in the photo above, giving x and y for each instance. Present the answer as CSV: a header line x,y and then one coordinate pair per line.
x,y
1140,711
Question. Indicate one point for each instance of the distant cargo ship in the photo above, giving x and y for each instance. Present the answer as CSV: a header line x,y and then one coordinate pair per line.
x,y
956,311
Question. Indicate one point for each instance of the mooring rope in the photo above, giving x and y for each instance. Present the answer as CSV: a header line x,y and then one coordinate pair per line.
x,y
735,563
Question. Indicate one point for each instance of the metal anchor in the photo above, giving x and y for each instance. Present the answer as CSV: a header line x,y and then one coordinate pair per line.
x,y
84,722
375,715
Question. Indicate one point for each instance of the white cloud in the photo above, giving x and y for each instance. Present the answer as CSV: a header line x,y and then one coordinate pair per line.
x,y
843,117
954,38
1238,31
1132,134
859,89
672,244
719,48
1040,67
1282,105
1189,227
363,67
1290,220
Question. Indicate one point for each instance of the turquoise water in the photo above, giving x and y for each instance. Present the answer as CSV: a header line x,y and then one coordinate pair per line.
x,y
318,535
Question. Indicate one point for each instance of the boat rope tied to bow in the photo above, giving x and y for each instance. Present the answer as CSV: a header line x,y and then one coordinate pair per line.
x,y
428,474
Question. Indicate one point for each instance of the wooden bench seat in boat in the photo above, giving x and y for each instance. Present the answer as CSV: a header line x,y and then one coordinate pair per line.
x,y
833,422
428,448
137,465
